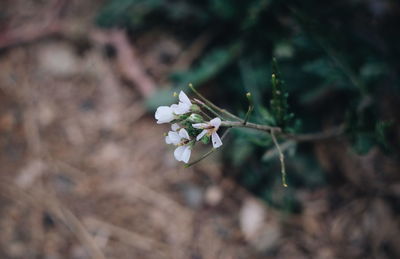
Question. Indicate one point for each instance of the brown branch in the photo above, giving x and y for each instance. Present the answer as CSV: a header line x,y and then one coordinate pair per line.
x,y
127,60
328,134
240,124
331,133
187,57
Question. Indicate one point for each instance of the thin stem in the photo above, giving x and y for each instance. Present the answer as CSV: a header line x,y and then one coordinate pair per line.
x,y
331,133
213,106
250,109
201,158
271,153
205,115
208,153
281,159
237,124
207,107
246,119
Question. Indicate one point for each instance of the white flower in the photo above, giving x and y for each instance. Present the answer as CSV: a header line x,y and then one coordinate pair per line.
x,y
164,114
183,105
210,128
175,127
182,140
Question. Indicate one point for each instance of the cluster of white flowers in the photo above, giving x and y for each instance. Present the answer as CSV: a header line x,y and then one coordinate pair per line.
x,y
188,127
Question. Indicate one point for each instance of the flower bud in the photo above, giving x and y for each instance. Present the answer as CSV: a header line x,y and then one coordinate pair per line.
x,y
182,117
195,108
195,118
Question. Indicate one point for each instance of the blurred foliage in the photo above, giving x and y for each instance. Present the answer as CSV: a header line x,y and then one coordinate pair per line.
x,y
336,60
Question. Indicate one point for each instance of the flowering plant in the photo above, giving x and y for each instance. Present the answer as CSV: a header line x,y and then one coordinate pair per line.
x,y
199,120
188,127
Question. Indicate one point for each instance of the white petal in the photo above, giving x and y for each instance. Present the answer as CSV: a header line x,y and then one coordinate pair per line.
x,y
183,98
164,114
181,108
186,154
173,138
204,132
216,141
179,152
175,127
216,122
200,125
184,134
168,140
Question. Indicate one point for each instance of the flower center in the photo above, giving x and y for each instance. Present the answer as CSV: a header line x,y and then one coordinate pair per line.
x,y
184,142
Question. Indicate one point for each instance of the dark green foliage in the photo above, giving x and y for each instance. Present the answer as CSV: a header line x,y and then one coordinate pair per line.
x,y
366,130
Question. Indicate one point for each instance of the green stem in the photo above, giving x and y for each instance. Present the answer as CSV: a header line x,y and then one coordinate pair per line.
x,y
207,107
213,106
281,159
250,109
238,124
208,153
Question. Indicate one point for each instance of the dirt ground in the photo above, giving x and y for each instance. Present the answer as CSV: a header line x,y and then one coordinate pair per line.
x,y
84,172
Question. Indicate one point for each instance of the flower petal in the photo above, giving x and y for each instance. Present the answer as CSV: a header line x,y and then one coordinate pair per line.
x,y
216,122
204,132
164,114
173,138
200,125
175,127
186,154
179,152
216,141
168,140
184,98
184,134
181,108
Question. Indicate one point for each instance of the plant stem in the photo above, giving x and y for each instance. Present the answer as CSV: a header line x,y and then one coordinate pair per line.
x,y
281,159
250,109
238,124
201,158
205,115
331,133
208,153
207,107
213,106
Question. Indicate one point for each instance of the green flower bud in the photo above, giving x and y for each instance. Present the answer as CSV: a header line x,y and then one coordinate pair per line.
x,y
195,118
195,108
182,117
205,139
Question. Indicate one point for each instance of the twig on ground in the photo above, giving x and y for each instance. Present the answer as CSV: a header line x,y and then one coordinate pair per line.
x,y
187,56
49,25
127,60
78,229
128,237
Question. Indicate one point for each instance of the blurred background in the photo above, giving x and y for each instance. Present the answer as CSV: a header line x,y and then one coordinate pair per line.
x,y
85,173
